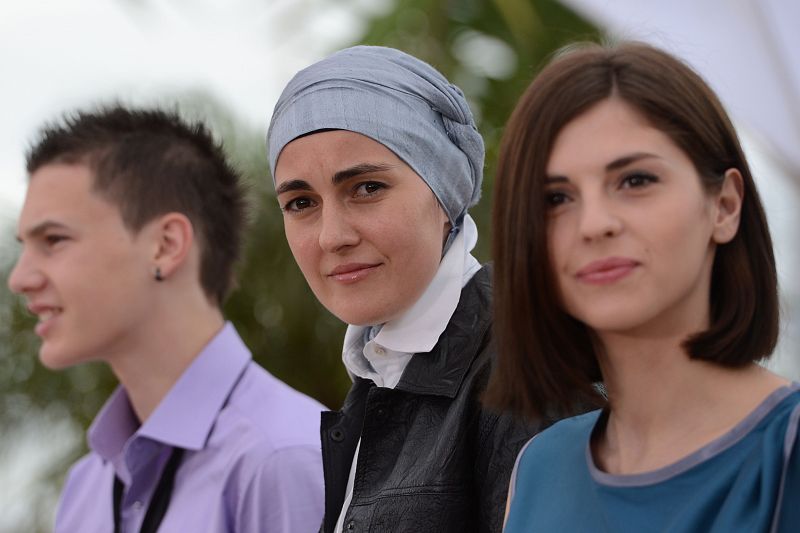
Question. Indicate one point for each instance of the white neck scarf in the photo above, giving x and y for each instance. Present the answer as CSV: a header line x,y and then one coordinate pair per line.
x,y
383,357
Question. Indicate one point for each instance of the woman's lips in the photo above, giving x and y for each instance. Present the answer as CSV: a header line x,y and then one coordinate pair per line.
x,y
606,271
352,272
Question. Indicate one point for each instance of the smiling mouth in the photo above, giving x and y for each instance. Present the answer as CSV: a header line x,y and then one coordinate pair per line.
x,y
46,318
352,273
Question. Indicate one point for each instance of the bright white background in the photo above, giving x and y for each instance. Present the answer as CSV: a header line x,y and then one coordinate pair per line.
x,y
57,55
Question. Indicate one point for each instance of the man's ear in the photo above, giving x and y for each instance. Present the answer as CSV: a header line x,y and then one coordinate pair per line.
x,y
173,235
729,207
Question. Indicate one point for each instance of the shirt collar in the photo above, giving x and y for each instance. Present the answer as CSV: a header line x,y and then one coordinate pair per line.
x,y
201,391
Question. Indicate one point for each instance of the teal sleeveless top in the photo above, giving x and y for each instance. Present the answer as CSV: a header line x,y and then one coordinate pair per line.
x,y
747,480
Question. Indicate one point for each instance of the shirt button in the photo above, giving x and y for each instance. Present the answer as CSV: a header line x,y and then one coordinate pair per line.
x,y
350,526
380,351
137,505
337,435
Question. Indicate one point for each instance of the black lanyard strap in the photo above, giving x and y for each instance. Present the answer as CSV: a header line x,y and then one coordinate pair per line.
x,y
160,500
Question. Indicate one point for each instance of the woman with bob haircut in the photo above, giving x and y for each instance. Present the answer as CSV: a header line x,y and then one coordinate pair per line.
x,y
634,265
376,160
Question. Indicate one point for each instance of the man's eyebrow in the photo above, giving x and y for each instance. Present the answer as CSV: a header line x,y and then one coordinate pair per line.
x,y
292,185
41,228
359,169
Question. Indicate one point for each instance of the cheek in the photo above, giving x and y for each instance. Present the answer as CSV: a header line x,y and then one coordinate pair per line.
x,y
562,237
413,242
558,244
436,220
676,229
92,269
301,244
433,231
415,226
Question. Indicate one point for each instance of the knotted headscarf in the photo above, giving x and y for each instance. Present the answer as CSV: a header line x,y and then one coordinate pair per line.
x,y
397,100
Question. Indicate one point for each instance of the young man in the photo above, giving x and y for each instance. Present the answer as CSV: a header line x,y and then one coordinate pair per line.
x,y
129,231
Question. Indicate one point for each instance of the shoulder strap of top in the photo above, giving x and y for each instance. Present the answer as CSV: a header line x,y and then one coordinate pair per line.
x,y
789,445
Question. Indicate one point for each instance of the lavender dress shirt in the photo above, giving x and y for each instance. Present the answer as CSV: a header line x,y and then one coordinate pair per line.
x,y
252,461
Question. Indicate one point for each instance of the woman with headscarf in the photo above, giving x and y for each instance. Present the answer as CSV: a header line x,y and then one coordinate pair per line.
x,y
376,158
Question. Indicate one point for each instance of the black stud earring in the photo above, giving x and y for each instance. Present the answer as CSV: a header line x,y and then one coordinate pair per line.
x,y
158,276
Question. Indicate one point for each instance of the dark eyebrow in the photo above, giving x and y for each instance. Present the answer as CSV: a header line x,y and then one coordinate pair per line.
x,y
627,160
338,178
292,185
617,164
357,170
41,228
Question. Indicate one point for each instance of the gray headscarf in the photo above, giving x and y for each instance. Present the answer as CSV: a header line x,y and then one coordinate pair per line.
x,y
397,100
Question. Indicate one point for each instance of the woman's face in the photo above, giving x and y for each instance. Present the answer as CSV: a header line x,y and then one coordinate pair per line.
x,y
631,231
364,228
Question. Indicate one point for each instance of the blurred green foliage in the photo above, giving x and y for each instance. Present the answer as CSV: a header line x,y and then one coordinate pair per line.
x,y
490,48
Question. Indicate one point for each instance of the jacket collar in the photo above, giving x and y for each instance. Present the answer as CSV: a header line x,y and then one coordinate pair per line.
x,y
442,371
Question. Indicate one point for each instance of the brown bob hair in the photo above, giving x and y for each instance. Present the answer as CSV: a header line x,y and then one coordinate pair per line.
x,y
547,360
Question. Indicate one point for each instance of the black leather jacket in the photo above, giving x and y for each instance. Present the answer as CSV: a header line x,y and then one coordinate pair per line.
x,y
432,459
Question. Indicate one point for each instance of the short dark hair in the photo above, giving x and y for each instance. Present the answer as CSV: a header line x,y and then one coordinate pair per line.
x,y
150,162
547,360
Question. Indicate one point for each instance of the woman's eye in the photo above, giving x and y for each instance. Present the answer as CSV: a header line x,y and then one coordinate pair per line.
x,y
296,205
555,198
368,188
637,180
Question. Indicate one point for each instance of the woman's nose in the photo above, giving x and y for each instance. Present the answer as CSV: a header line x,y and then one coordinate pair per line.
x,y
599,219
337,230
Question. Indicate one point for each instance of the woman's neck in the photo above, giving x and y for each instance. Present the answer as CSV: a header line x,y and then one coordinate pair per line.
x,y
664,405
